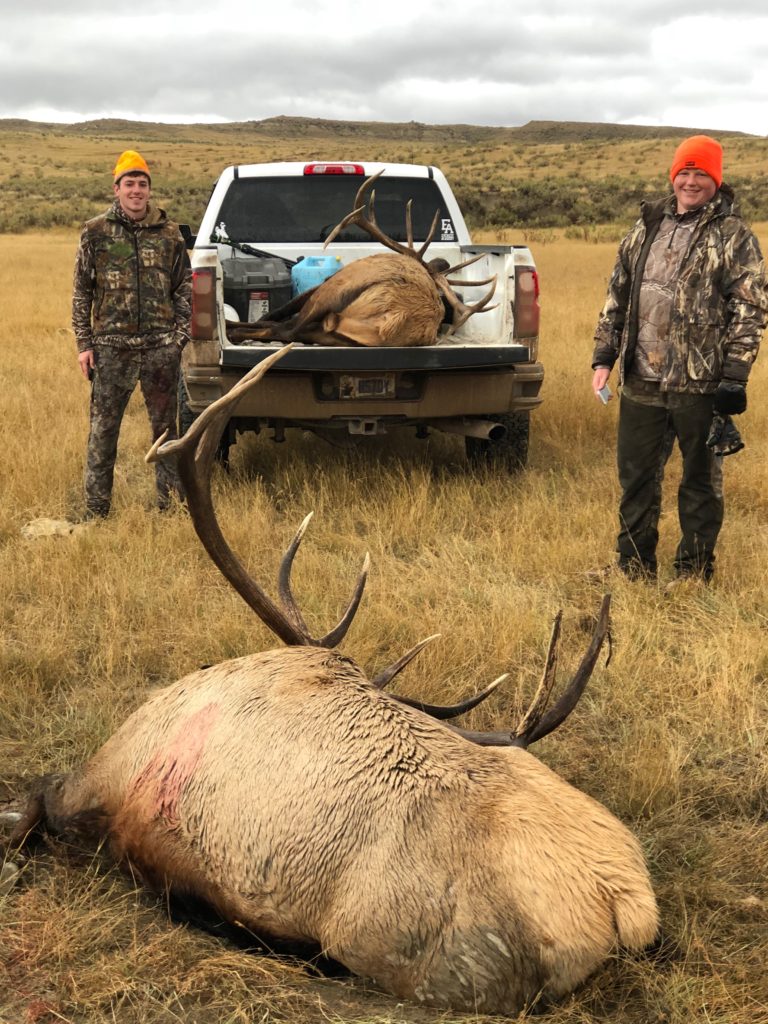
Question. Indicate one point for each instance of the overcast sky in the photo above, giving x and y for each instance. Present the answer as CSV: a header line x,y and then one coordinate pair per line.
x,y
489,62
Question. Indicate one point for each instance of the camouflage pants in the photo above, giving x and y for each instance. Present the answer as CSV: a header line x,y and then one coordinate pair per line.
x,y
115,377
647,432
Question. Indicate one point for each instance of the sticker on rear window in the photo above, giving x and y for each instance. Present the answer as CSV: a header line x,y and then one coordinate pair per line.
x,y
446,230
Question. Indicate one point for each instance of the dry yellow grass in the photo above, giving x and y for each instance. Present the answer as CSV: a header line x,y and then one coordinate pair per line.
x,y
66,151
671,735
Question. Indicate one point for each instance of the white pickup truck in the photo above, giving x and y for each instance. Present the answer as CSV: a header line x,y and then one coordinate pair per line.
x,y
481,381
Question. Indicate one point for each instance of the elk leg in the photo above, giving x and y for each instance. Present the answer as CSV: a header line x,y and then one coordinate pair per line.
x,y
354,328
288,309
315,335
9,876
26,824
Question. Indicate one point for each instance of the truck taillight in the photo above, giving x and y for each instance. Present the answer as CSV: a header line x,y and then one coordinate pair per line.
x,y
333,169
203,303
527,308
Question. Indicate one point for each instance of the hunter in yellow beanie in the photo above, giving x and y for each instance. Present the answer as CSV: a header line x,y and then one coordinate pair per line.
x,y
131,162
700,152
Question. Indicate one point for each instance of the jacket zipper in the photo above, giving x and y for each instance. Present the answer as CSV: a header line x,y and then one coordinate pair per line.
x,y
138,282
634,292
696,234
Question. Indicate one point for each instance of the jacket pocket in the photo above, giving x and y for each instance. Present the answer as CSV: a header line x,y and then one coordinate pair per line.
x,y
705,350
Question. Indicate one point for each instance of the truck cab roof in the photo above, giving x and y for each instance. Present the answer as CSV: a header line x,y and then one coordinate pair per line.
x,y
352,168
299,203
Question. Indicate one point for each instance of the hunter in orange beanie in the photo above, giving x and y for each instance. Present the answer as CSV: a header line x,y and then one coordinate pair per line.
x,y
131,162
702,153
686,306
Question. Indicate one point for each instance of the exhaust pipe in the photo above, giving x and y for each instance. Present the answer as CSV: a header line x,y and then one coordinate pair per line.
x,y
486,430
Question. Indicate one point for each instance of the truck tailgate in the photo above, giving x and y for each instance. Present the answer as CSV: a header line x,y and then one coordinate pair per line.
x,y
333,358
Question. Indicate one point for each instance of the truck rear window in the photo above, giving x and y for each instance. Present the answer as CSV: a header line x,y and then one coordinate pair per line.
x,y
307,208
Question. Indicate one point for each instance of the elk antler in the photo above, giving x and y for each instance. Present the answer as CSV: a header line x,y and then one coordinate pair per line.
x,y
535,723
369,225
385,677
443,711
462,312
195,454
440,711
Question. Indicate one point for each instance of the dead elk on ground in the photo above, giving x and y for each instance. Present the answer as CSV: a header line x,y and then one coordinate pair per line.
x,y
393,298
299,799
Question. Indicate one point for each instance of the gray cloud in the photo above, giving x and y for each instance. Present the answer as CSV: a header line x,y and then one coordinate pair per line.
x,y
424,60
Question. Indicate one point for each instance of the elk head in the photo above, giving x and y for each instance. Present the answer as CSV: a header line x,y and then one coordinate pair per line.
x,y
393,298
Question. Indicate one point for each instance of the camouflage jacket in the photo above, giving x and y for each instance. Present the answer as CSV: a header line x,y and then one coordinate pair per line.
x,y
133,284
719,304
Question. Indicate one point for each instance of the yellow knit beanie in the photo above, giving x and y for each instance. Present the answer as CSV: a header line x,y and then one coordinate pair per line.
x,y
131,162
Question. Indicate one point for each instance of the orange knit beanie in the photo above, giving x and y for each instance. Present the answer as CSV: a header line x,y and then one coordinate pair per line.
x,y
130,162
702,153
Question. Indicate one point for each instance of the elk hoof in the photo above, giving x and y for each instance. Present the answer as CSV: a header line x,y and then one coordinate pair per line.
x,y
9,819
9,876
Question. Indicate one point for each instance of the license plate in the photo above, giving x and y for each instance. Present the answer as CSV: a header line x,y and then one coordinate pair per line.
x,y
367,387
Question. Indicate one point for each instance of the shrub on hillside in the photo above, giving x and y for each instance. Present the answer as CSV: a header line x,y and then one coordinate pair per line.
x,y
575,202
30,201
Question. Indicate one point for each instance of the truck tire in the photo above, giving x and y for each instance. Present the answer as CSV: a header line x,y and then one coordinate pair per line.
x,y
511,452
186,416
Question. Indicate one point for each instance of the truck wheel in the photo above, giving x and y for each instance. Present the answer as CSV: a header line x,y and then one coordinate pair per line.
x,y
511,452
186,416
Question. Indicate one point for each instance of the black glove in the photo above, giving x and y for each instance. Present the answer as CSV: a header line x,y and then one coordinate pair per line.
x,y
730,398
724,438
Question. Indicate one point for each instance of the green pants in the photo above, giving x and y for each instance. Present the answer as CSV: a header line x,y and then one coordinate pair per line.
x,y
116,374
646,436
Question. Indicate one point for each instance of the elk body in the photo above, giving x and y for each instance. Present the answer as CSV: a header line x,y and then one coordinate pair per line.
x,y
393,298
299,799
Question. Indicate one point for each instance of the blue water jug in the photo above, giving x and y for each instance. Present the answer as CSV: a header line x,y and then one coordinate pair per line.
x,y
313,270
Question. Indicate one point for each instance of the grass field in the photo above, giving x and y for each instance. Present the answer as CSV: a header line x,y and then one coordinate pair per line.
x,y
671,736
